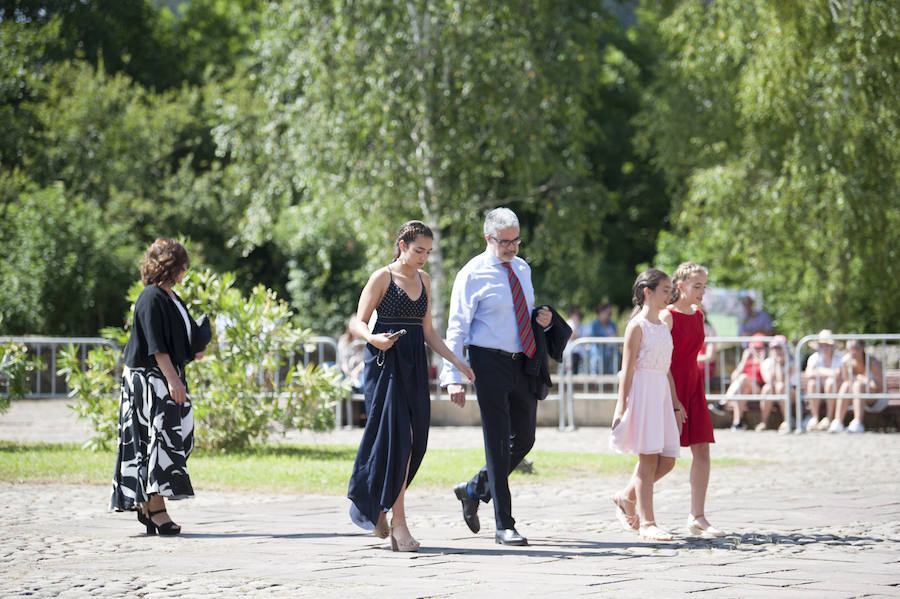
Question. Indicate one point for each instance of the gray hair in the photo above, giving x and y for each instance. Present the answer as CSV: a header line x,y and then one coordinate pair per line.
x,y
499,218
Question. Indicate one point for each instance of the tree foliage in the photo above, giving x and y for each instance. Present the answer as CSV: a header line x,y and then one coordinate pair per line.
x,y
289,140
366,114
777,127
15,367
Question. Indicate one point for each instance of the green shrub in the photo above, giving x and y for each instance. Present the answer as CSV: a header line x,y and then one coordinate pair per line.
x,y
15,365
245,384
95,388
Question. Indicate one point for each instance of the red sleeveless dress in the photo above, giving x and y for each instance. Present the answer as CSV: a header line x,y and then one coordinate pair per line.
x,y
688,339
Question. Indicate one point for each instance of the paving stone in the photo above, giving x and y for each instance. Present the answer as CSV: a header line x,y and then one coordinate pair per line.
x,y
803,521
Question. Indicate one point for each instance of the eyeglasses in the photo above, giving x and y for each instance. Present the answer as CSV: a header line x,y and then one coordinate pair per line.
x,y
508,242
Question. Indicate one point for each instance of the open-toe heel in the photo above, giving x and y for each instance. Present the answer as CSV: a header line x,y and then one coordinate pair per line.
x,y
143,519
628,522
409,545
167,529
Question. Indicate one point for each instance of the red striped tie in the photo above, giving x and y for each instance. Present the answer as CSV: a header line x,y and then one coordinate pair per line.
x,y
523,319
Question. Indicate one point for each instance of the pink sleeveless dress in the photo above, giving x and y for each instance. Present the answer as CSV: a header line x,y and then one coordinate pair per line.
x,y
648,425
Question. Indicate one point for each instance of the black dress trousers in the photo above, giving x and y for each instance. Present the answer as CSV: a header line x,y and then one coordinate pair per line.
x,y
508,408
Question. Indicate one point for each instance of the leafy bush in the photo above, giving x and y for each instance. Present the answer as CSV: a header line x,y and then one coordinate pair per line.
x,y
14,368
246,382
95,387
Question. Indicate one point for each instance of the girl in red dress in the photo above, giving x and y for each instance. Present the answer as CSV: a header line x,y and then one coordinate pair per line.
x,y
685,320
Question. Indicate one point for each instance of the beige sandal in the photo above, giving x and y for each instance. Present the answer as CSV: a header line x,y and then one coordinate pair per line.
x,y
408,544
628,522
651,532
695,528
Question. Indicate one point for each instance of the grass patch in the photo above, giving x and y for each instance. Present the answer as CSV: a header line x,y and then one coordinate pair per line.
x,y
298,468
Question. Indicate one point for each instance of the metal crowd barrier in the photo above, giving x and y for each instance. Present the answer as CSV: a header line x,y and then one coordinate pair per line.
x,y
885,346
323,351
45,382
599,384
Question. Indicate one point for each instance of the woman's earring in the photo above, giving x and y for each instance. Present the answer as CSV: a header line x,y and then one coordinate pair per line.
x,y
403,260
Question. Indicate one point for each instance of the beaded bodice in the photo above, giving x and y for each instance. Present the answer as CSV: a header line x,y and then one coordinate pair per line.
x,y
396,303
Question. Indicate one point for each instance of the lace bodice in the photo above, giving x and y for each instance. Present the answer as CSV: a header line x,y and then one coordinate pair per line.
x,y
655,352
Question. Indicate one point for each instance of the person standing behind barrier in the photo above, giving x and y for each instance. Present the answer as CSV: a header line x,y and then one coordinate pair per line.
x,y
649,417
491,313
861,374
754,321
397,398
605,358
823,375
774,383
156,418
686,321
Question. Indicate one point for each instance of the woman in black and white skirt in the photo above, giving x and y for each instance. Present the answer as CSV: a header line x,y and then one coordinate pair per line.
x,y
156,424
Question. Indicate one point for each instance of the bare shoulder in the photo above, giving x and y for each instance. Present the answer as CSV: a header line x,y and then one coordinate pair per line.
x,y
666,316
379,279
633,332
425,278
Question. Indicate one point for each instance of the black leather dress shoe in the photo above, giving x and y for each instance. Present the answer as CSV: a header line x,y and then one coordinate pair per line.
x,y
469,507
509,536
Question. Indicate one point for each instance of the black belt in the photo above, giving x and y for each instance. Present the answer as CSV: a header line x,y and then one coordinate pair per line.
x,y
505,354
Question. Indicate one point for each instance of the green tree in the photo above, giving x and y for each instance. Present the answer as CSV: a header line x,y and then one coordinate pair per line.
x,y
777,127
60,276
159,44
366,114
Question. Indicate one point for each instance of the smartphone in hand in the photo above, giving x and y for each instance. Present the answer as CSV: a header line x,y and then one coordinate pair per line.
x,y
396,334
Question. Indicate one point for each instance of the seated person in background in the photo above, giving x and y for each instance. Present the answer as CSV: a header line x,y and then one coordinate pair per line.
x,y
858,377
774,383
746,379
351,349
823,373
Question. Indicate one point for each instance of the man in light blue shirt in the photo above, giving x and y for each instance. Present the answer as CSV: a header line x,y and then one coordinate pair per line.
x,y
484,319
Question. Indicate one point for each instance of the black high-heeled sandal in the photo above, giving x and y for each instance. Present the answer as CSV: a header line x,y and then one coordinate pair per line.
x,y
168,529
151,528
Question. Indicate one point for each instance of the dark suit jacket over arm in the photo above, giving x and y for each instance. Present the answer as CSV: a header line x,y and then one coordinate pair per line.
x,y
552,343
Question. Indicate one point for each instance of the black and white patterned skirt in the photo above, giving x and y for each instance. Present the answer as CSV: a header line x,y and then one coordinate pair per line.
x,y
156,436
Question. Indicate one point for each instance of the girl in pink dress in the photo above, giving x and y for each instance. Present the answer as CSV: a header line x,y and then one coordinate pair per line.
x,y
648,417
685,320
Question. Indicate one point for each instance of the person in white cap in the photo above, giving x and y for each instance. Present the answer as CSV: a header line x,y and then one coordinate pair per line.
x,y
823,374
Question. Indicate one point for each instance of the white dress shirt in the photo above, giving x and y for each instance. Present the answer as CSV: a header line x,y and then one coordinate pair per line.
x,y
482,311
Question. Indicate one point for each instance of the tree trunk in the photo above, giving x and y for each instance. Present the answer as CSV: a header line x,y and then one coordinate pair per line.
x,y
429,197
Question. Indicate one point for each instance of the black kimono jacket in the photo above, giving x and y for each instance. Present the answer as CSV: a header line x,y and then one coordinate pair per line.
x,y
158,328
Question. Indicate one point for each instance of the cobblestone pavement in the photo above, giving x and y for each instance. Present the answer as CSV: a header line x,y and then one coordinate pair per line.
x,y
808,516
